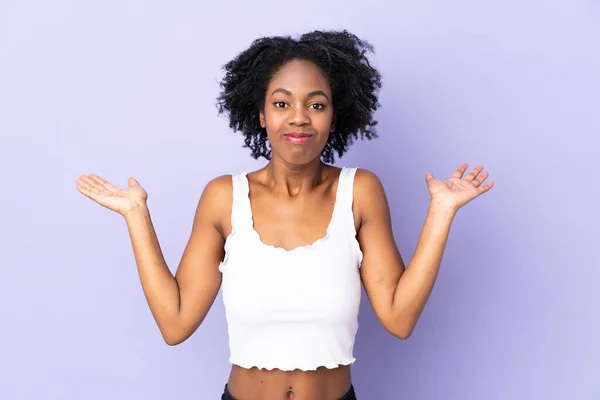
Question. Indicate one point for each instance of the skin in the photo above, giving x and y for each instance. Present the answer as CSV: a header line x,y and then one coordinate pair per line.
x,y
292,202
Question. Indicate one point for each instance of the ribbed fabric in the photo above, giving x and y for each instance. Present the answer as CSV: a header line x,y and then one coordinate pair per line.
x,y
294,309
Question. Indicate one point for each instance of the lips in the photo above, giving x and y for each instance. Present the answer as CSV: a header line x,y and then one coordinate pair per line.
x,y
296,137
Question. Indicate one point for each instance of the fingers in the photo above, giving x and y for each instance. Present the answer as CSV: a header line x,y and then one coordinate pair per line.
x,y
88,187
477,176
486,187
479,180
471,176
104,184
460,171
132,182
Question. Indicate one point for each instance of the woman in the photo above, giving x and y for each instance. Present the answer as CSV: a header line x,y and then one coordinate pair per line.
x,y
291,243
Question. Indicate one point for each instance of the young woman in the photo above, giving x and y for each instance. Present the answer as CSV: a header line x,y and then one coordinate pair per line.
x,y
291,243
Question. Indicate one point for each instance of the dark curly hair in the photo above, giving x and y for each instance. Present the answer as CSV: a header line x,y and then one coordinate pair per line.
x,y
340,55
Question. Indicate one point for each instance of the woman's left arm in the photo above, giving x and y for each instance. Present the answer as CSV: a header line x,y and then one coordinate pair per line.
x,y
397,293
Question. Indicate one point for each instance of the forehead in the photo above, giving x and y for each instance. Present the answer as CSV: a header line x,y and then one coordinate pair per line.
x,y
300,76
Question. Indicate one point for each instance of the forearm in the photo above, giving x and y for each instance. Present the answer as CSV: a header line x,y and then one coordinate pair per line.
x,y
158,283
417,281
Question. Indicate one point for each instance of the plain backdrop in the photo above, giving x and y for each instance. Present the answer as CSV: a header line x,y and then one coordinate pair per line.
x,y
128,88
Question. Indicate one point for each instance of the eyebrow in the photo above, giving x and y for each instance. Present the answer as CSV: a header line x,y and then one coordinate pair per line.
x,y
311,94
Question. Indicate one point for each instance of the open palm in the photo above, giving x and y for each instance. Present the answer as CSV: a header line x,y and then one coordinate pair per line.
x,y
110,196
458,191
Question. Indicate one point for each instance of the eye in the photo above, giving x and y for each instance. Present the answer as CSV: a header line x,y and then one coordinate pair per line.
x,y
279,104
318,106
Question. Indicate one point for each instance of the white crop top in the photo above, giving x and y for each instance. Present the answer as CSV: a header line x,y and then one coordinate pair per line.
x,y
294,309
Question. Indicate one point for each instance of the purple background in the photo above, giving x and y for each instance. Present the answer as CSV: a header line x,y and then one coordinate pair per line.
x,y
127,88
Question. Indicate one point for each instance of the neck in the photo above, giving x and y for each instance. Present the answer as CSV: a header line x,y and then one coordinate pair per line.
x,y
293,179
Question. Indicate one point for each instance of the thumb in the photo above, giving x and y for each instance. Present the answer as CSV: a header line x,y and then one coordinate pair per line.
x,y
429,177
131,182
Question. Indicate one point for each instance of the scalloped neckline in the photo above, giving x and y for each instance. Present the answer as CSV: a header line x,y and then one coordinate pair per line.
x,y
301,247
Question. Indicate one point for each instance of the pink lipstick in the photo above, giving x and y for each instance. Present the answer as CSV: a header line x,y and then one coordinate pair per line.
x,y
297,137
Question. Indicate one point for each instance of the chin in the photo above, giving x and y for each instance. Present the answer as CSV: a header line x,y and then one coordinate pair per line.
x,y
300,158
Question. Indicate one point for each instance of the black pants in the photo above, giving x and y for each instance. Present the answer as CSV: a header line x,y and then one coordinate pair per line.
x,y
348,396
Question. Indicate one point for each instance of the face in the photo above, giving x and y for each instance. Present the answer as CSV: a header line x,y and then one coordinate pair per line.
x,y
298,113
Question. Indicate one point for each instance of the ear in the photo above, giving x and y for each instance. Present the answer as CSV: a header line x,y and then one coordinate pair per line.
x,y
332,128
261,118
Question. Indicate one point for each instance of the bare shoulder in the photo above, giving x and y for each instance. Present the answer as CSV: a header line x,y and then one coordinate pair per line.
x,y
219,189
365,179
369,195
367,185
216,200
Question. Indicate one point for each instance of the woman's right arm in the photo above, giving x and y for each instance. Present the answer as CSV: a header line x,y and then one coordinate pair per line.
x,y
180,303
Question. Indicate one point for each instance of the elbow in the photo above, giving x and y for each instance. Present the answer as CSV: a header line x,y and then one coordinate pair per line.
x,y
404,335
173,337
402,329
403,323
177,331
401,333
172,341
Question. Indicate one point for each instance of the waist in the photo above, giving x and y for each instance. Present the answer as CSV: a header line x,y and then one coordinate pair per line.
x,y
322,383
292,346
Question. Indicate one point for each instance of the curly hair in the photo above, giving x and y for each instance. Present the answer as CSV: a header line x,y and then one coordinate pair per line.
x,y
342,58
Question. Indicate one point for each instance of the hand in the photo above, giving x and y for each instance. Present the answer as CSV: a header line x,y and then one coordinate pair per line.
x,y
111,197
458,191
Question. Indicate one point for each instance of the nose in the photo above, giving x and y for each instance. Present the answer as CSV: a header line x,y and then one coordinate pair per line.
x,y
299,116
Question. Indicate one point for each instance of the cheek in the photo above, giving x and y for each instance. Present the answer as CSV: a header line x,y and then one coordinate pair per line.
x,y
325,125
275,121
323,139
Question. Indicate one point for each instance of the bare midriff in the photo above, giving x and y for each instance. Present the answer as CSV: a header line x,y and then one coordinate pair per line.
x,y
262,384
